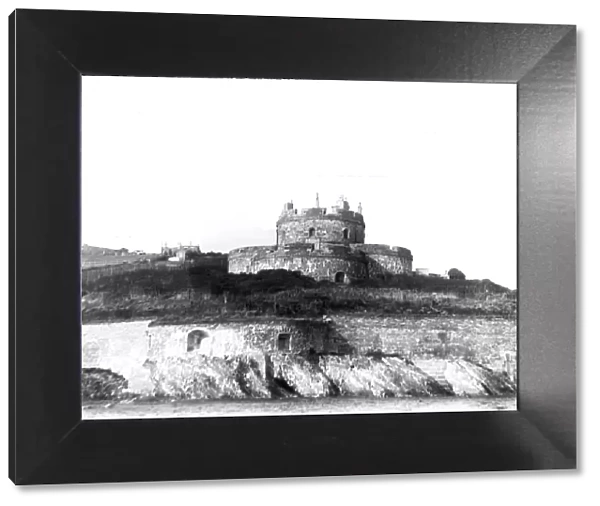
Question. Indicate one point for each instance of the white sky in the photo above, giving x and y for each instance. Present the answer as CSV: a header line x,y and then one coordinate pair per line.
x,y
212,161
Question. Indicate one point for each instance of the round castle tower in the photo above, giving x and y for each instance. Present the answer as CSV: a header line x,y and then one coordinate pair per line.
x,y
324,243
318,225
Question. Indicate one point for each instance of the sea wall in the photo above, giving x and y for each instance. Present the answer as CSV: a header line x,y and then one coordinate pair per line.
x,y
124,347
483,340
259,350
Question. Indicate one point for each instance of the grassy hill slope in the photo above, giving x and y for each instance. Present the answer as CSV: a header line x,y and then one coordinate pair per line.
x,y
183,294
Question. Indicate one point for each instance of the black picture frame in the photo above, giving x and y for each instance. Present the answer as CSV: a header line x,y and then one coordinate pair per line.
x,y
51,50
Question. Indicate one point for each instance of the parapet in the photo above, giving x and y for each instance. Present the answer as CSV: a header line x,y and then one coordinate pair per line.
x,y
320,213
340,210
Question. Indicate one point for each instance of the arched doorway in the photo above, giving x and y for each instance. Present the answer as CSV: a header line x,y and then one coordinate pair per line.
x,y
346,233
340,277
194,339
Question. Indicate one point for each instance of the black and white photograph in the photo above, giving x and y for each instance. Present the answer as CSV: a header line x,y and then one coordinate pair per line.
x,y
279,247
253,245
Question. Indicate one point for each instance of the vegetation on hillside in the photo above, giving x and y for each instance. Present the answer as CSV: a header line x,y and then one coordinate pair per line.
x,y
198,291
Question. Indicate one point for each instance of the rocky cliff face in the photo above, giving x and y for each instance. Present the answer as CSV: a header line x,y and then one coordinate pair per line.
x,y
274,376
354,356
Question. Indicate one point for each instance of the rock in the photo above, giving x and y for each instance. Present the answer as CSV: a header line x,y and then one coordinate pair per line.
x,y
101,384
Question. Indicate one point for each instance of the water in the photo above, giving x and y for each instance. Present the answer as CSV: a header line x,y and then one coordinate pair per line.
x,y
296,406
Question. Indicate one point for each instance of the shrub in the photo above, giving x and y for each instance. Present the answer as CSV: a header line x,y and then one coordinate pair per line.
x,y
101,384
454,273
271,281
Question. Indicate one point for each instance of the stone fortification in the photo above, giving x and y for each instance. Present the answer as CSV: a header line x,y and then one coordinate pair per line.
x,y
316,226
346,354
324,243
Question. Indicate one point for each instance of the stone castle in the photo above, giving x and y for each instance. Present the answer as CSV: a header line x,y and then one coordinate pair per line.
x,y
324,243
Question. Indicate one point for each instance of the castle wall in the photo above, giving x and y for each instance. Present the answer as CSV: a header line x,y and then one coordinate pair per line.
x,y
317,265
379,265
328,228
383,259
383,249
240,260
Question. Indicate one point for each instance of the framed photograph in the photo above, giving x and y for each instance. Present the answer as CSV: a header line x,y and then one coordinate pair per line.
x,y
251,247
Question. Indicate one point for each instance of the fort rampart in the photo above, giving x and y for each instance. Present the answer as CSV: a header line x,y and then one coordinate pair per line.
x,y
317,264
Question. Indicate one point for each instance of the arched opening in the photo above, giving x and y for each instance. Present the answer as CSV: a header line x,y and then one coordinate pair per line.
x,y
194,338
284,342
346,233
340,277
311,232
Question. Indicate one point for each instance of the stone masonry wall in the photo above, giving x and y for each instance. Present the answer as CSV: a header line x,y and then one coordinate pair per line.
x,y
324,263
383,259
240,260
387,264
326,229
383,249
222,339
124,347
486,341
317,265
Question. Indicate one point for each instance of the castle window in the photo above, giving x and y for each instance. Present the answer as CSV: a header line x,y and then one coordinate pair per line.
x,y
345,232
283,342
311,232
194,339
340,277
